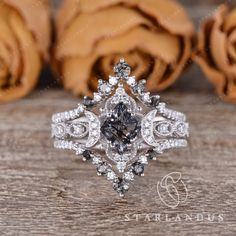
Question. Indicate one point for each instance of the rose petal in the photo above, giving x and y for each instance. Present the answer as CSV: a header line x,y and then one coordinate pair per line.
x,y
217,78
229,20
168,45
218,42
36,14
84,31
31,60
231,46
77,82
122,28
9,46
170,14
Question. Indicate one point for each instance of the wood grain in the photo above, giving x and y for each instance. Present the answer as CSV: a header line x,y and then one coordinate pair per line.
x,y
44,191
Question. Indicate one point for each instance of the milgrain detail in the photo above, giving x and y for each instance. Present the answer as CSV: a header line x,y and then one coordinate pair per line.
x,y
153,126
123,132
94,129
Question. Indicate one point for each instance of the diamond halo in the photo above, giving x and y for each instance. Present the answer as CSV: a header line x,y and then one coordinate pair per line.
x,y
118,133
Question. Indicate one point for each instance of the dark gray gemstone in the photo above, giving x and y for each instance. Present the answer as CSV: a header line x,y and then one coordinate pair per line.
x,y
151,154
139,88
120,186
122,69
155,101
87,154
138,168
88,101
121,128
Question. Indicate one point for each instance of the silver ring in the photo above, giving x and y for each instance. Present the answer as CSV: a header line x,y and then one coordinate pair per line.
x,y
120,133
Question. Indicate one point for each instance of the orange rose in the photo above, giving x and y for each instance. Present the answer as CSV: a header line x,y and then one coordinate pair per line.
x,y
24,42
154,37
216,52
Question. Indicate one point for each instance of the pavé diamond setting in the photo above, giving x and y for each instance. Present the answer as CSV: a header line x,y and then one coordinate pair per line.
x,y
118,133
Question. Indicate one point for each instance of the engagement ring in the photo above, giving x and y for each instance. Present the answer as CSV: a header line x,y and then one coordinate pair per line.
x,y
118,133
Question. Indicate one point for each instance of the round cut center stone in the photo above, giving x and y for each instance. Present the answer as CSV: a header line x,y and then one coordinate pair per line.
x,y
121,128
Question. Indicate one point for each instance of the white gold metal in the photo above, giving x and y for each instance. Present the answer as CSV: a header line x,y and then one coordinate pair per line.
x,y
120,134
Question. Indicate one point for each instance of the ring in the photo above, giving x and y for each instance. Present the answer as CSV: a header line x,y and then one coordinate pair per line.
x,y
118,133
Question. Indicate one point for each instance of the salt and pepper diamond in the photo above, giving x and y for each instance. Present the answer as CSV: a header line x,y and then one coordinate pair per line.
x,y
122,69
118,138
121,128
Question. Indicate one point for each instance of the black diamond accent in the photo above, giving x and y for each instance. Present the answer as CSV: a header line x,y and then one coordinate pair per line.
x,y
155,101
88,101
119,186
151,154
87,154
122,70
138,168
139,88
121,128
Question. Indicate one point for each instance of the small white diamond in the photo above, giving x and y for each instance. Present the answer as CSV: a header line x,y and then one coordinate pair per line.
x,y
102,169
131,81
182,129
97,97
158,149
67,115
96,160
143,160
150,139
113,80
111,175
58,130
79,151
94,125
164,128
79,129
146,97
146,132
121,166
91,140
104,88
129,176
126,186
94,132
80,108
91,118
72,114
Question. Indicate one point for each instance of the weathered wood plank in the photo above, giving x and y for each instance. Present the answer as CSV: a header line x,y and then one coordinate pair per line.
x,y
44,191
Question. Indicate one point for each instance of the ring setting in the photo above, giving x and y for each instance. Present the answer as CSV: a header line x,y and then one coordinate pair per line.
x,y
120,133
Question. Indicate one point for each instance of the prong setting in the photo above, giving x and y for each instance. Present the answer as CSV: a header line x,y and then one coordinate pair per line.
x,y
118,137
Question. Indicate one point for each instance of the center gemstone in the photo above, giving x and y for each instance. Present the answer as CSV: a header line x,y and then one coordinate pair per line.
x,y
121,128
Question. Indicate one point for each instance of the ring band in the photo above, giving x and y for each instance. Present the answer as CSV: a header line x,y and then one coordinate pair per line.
x,y
120,133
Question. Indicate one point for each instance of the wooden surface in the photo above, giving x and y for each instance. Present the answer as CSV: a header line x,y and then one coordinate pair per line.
x,y
44,191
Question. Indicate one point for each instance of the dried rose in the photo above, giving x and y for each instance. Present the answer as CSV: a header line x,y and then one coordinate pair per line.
x,y
24,42
216,52
154,37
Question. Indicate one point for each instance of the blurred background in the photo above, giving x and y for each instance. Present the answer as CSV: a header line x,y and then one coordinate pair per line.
x,y
197,11
73,52
45,191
